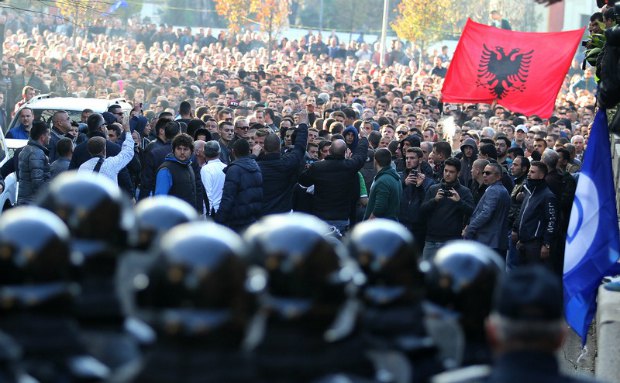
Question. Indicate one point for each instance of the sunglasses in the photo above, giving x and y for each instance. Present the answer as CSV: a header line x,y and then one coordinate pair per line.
x,y
401,132
487,173
243,127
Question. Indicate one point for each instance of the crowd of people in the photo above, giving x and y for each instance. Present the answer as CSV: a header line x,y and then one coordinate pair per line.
x,y
239,133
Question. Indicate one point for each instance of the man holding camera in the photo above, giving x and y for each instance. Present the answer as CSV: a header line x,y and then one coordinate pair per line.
x,y
448,206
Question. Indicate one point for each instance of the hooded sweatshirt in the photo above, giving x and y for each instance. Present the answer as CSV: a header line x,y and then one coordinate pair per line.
x,y
467,163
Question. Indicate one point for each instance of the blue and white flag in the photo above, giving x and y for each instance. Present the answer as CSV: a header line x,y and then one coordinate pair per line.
x,y
114,7
592,241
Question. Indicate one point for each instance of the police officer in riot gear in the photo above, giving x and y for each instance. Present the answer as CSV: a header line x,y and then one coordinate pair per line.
x,y
196,298
460,284
154,216
393,316
306,329
99,218
37,292
525,330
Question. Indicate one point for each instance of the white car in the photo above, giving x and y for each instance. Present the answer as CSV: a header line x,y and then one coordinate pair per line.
x,y
8,197
44,106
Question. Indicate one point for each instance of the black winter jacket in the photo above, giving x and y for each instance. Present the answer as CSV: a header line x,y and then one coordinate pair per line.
x,y
336,183
34,171
538,218
446,218
280,173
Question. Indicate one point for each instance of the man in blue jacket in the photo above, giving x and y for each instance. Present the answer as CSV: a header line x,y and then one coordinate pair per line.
x,y
176,176
242,198
489,222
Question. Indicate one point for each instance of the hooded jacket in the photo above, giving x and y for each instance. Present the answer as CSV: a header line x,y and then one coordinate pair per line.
x,y
242,197
176,178
351,129
385,195
467,163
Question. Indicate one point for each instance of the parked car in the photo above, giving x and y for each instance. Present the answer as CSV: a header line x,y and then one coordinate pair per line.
x,y
44,106
8,196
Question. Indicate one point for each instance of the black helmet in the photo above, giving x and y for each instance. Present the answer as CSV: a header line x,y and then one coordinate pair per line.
x,y
462,278
307,273
386,252
156,215
35,258
197,284
91,205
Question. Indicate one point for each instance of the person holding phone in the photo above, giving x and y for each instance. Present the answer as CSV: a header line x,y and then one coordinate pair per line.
x,y
415,185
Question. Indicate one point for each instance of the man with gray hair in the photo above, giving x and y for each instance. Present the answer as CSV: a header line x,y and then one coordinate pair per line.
x,y
213,176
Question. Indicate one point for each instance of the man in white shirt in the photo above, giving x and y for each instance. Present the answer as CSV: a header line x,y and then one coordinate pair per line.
x,y
111,166
213,176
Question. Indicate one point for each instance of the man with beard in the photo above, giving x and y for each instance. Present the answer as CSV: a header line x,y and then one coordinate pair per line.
x,y
447,205
519,170
502,143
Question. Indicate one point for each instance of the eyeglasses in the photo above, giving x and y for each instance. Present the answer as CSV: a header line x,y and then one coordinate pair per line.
x,y
487,173
118,113
401,132
243,127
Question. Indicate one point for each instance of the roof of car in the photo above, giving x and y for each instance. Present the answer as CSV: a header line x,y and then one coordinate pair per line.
x,y
77,104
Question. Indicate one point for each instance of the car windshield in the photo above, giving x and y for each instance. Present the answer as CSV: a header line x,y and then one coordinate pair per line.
x,y
46,115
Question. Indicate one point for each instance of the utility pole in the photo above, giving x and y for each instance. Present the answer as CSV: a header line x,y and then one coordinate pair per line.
x,y
386,6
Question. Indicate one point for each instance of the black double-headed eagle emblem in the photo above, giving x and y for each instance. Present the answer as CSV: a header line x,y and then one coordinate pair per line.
x,y
501,72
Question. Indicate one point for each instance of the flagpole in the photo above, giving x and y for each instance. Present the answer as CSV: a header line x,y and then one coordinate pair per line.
x,y
386,6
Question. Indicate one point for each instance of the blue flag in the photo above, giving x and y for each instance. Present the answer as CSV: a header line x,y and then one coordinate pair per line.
x,y
114,7
592,241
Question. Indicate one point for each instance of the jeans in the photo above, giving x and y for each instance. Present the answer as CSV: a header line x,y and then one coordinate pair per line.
x,y
512,258
430,249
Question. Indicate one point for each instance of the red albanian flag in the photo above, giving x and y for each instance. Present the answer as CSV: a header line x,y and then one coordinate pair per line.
x,y
523,71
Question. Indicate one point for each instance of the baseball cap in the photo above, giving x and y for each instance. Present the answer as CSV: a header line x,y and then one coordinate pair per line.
x,y
523,128
529,293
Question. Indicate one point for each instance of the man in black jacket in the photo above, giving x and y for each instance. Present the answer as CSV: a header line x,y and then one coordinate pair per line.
x,y
154,158
280,172
96,125
536,226
448,206
147,174
336,183
242,196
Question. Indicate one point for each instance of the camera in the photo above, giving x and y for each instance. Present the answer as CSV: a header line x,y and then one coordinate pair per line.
x,y
414,173
445,192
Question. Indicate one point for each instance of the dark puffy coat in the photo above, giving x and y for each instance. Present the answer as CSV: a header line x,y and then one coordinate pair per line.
x,y
280,174
336,183
34,171
81,155
242,197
